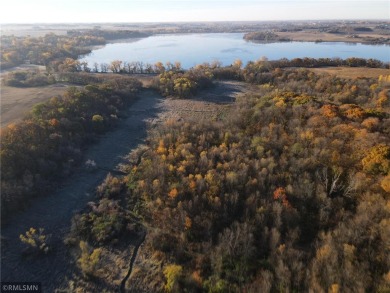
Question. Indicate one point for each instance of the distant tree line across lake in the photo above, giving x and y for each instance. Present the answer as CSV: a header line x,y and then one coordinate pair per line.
x,y
56,53
52,47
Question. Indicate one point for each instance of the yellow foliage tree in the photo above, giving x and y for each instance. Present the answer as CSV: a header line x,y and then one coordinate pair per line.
x,y
172,274
377,160
385,183
89,261
183,87
383,98
35,239
161,148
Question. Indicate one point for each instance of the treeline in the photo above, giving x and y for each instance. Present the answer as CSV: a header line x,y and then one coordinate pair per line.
x,y
323,62
54,48
115,66
264,70
108,34
254,71
172,80
262,65
266,36
28,79
290,193
37,152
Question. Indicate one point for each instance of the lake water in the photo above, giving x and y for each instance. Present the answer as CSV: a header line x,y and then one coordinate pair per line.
x,y
192,49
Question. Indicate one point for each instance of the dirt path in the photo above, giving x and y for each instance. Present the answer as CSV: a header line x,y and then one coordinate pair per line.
x,y
54,213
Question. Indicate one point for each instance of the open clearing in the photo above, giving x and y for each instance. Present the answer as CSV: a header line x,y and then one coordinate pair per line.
x,y
16,102
353,72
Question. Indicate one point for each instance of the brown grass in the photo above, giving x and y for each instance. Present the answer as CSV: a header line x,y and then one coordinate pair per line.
x,y
312,36
16,102
353,72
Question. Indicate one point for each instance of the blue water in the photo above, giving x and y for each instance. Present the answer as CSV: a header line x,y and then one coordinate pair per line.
x,y
192,49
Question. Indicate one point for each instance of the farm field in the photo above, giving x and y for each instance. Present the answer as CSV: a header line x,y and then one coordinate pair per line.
x,y
16,102
353,72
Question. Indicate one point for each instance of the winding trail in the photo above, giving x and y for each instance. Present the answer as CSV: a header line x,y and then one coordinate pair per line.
x,y
54,212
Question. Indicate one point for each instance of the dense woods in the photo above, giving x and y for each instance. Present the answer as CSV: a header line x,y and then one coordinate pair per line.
x,y
54,48
288,193
43,50
108,34
266,36
42,149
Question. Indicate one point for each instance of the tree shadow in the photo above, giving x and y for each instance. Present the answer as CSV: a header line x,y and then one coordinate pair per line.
x,y
222,92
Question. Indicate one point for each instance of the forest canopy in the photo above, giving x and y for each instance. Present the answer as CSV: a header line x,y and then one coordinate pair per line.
x,y
288,193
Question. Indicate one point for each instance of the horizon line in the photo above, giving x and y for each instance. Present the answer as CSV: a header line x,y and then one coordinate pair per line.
x,y
195,21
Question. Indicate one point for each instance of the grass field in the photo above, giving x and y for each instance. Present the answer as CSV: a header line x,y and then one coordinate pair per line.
x,y
312,36
353,72
16,102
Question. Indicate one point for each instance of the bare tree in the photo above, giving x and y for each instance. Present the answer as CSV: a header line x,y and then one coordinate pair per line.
x,y
95,67
104,67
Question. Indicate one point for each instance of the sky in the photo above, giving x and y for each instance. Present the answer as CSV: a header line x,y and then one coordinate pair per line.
x,y
101,11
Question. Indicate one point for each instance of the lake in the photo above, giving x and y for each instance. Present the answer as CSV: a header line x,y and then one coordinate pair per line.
x,y
192,49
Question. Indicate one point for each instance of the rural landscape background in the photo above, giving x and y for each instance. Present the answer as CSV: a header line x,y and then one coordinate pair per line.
x,y
195,146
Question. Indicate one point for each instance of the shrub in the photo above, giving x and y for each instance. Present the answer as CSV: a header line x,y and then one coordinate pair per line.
x,y
89,259
97,118
35,239
28,79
